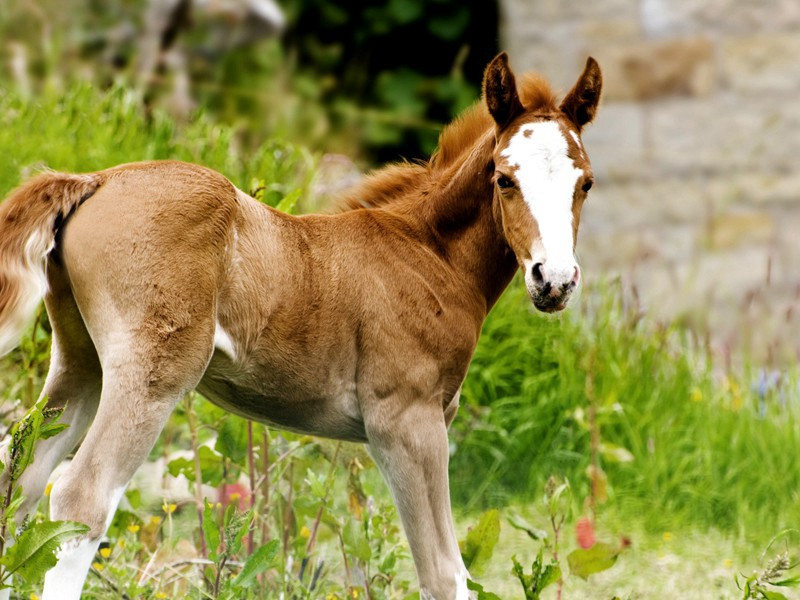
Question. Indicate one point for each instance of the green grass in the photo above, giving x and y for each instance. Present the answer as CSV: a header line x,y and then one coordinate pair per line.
x,y
703,455
85,130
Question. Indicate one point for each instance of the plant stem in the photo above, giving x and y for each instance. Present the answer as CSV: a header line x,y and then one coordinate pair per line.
x,y
198,472
328,485
252,474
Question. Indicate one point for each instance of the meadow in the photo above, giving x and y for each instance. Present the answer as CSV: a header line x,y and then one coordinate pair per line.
x,y
598,423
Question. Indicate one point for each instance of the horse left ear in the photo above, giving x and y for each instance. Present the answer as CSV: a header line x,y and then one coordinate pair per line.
x,y
580,104
500,91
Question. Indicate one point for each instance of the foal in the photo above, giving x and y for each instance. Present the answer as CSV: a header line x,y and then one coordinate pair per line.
x,y
162,277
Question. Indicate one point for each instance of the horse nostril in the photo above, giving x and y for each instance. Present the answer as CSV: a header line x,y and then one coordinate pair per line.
x,y
536,271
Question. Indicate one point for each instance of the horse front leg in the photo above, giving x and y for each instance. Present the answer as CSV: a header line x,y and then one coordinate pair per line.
x,y
409,444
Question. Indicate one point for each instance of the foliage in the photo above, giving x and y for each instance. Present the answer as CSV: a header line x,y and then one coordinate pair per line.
x,y
36,543
780,572
524,414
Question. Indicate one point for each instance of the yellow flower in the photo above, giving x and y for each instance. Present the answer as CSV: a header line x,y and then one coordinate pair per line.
x,y
304,532
727,563
34,596
160,595
210,505
219,504
667,536
97,566
235,497
697,395
169,508
47,491
154,520
354,593
105,552
133,528
121,543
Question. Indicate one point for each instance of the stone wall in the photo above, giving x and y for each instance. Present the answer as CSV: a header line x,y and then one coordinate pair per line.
x,y
696,151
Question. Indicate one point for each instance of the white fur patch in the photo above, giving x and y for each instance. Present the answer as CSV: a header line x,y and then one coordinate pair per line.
x,y
65,580
31,282
462,592
547,178
224,342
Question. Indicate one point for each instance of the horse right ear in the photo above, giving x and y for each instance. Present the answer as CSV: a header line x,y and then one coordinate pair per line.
x,y
500,91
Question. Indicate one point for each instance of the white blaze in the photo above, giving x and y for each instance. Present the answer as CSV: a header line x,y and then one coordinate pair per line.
x,y
547,178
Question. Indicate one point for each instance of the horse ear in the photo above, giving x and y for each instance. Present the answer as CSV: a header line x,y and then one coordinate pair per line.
x,y
500,91
580,104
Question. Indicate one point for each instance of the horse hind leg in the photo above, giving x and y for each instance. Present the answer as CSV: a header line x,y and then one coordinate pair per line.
x,y
73,384
140,389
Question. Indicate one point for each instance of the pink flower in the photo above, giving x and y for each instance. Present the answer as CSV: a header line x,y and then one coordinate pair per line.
x,y
584,530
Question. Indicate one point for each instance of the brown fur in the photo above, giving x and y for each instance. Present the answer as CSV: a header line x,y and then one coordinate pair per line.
x,y
358,326
391,183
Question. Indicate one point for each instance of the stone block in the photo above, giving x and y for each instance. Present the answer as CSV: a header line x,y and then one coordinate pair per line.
x,y
724,135
762,63
647,70
615,141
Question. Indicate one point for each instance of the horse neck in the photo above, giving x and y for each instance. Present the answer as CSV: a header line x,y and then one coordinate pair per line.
x,y
458,212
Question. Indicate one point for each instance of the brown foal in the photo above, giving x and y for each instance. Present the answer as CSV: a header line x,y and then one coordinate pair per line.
x,y
162,277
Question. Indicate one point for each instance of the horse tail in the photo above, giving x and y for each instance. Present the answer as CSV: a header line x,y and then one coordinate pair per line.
x,y
29,221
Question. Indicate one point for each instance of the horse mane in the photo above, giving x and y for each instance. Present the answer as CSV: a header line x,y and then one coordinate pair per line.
x,y
390,183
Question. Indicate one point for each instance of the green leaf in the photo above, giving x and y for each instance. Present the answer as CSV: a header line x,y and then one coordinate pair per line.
x,y
482,594
289,201
259,561
51,429
210,466
232,439
355,541
790,582
478,547
210,530
34,552
614,453
585,562
521,524
769,594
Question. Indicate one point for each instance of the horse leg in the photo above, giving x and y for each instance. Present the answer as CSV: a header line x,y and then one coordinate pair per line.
x,y
411,449
141,385
73,383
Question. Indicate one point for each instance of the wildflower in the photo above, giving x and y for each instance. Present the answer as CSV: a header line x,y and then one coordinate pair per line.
x,y
34,596
154,520
97,566
133,528
584,531
235,497
304,532
169,508
160,595
667,536
105,552
47,491
121,544
727,563
210,504
697,395
354,593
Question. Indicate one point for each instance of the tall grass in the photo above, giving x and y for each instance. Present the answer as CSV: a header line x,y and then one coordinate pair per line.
x,y
706,448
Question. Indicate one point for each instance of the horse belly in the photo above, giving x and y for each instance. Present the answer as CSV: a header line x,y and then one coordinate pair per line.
x,y
288,406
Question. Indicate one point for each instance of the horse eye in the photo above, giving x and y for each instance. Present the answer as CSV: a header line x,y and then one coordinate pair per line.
x,y
505,182
587,186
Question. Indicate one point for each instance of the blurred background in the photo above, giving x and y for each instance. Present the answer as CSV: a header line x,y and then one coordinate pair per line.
x,y
665,401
